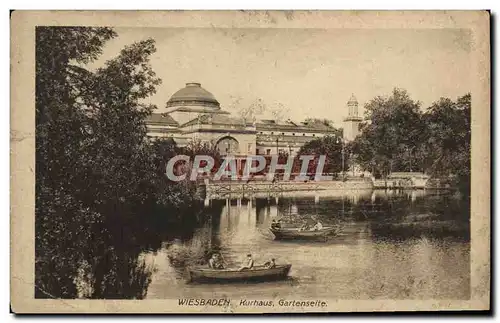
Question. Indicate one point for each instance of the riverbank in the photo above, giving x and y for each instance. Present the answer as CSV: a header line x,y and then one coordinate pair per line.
x,y
216,189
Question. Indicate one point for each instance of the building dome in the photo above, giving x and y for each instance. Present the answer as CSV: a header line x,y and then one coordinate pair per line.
x,y
193,94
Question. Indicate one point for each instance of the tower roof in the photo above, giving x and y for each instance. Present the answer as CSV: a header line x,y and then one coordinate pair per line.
x,y
352,99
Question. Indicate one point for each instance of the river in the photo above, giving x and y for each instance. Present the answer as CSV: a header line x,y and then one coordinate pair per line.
x,y
392,245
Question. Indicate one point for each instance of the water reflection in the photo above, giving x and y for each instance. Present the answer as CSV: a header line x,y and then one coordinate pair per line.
x,y
114,267
393,244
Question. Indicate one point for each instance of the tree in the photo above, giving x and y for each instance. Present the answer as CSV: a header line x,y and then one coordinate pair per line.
x,y
391,136
397,136
93,161
449,138
249,112
329,146
279,112
59,215
117,157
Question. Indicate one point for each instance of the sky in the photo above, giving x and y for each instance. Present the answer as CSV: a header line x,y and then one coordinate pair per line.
x,y
311,72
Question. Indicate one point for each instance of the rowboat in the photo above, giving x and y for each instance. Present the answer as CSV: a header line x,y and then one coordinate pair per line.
x,y
296,233
257,273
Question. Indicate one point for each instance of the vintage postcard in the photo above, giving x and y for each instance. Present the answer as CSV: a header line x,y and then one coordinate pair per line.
x,y
250,161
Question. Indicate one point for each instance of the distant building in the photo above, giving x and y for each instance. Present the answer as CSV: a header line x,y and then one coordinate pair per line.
x,y
193,113
403,180
288,137
408,179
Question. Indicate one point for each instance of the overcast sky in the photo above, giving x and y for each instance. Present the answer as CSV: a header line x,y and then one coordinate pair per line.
x,y
312,72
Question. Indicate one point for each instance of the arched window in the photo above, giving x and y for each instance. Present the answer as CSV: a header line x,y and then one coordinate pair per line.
x,y
227,146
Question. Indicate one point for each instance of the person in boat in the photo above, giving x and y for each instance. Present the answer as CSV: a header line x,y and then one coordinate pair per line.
x,y
318,226
248,264
270,264
304,226
220,262
216,262
275,225
211,262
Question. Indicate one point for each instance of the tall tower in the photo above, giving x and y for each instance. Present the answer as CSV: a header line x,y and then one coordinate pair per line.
x,y
352,121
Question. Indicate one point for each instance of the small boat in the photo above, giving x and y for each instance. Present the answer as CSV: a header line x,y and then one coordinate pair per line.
x,y
257,273
296,233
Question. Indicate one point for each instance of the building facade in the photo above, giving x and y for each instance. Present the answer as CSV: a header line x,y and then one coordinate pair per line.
x,y
193,113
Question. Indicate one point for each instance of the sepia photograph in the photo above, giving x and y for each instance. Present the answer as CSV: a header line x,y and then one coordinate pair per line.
x,y
250,161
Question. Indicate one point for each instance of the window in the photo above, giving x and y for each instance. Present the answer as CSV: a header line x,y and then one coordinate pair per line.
x,y
303,134
282,133
268,151
272,133
227,145
293,134
314,135
249,148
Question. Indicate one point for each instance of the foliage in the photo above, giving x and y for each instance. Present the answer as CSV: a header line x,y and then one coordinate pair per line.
x,y
448,144
94,164
279,112
398,136
61,220
449,135
116,155
180,195
330,146
249,112
391,135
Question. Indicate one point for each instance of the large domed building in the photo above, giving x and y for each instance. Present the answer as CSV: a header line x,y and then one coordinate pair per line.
x,y
193,113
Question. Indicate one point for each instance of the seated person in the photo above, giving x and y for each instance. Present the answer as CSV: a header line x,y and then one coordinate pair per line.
x,y
270,264
216,262
275,225
248,264
318,226
219,262
212,262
